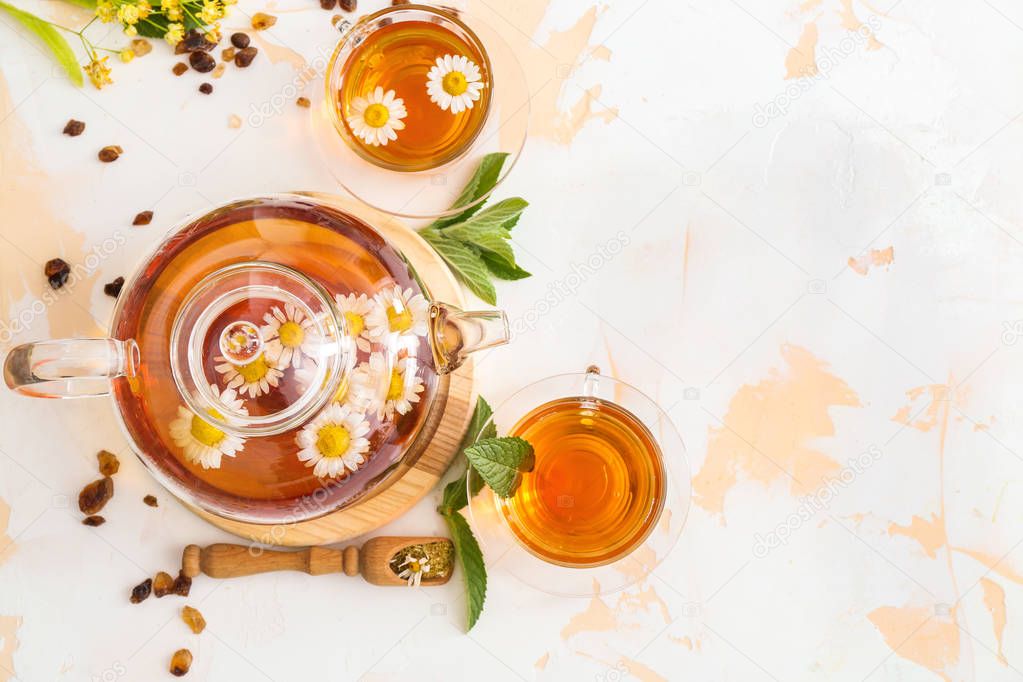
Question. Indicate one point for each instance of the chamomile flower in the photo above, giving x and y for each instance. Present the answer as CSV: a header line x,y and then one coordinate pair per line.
x,y
376,117
398,311
334,442
203,443
253,379
288,335
356,308
413,568
383,389
454,83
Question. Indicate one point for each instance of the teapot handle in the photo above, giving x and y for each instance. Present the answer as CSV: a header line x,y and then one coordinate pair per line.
x,y
69,368
455,333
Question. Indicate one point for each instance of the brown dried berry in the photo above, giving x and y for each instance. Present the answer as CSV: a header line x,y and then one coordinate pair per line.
x,y
94,521
348,5
245,56
182,585
194,40
303,102
328,4
163,584
262,20
180,68
108,462
205,88
141,47
74,128
140,592
151,500
57,271
181,661
143,218
193,619
240,40
203,62
110,153
113,290
95,495
228,53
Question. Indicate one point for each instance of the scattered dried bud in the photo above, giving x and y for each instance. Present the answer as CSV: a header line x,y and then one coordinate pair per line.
x,y
108,462
234,121
95,495
303,102
163,584
245,56
348,5
181,661
74,128
57,271
143,218
94,521
205,88
219,71
180,68
335,19
328,4
228,53
203,62
140,592
141,47
194,40
193,619
240,40
151,500
261,20
113,289
110,153
182,585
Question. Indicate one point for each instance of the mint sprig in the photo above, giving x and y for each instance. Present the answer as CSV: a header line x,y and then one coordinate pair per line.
x,y
500,462
476,243
470,558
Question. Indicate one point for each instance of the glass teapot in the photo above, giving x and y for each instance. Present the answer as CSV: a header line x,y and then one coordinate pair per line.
x,y
273,360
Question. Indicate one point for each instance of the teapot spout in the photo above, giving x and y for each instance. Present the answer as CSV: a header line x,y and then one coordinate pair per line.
x,y
456,333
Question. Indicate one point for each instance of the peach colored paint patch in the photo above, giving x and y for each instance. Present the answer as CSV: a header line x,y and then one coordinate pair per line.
x,y
994,601
641,672
780,416
598,617
8,645
801,61
684,641
924,409
873,258
917,635
930,534
852,23
541,663
999,565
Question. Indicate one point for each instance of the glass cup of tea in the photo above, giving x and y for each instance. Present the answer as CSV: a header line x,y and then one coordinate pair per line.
x,y
415,96
608,494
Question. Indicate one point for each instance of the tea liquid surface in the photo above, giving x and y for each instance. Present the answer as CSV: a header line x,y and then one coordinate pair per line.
x,y
597,488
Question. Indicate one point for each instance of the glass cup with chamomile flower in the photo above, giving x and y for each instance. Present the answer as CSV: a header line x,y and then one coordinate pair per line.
x,y
414,97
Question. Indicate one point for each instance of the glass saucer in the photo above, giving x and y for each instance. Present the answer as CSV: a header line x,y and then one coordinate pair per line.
x,y
432,192
501,546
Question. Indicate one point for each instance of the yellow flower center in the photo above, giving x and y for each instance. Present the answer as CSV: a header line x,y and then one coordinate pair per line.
x,y
376,115
355,323
455,84
414,566
206,433
399,321
291,334
333,440
255,370
397,386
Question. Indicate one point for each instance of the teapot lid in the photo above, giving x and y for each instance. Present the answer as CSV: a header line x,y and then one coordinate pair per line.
x,y
235,326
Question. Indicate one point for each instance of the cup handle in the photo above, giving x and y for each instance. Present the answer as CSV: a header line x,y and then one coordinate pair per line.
x,y
69,368
456,333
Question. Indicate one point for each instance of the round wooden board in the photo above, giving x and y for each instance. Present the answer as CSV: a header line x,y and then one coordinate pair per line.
x,y
387,504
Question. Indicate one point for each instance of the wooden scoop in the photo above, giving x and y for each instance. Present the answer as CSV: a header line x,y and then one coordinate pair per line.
x,y
372,560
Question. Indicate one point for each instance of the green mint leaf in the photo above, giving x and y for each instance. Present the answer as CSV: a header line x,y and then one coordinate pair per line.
x,y
504,211
480,416
470,558
52,39
466,263
500,461
501,270
492,240
479,185
455,495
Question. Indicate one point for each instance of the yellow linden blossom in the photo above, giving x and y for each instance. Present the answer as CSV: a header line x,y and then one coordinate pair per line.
x,y
105,11
128,14
98,72
126,55
211,11
175,34
171,9
213,33
145,9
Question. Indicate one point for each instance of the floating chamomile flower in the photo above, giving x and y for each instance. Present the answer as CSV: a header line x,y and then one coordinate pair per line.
x,y
288,335
413,568
253,379
398,311
203,443
454,83
334,442
356,309
379,388
376,117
